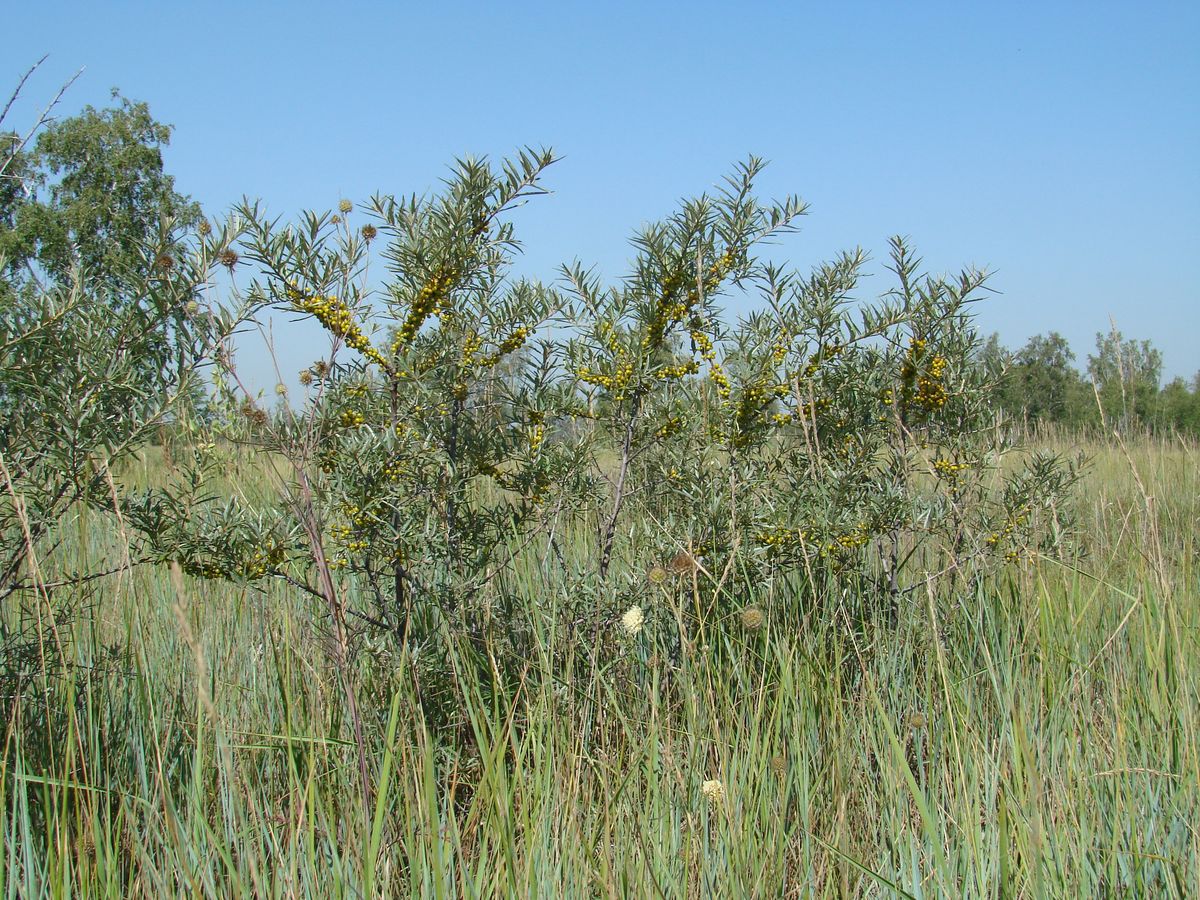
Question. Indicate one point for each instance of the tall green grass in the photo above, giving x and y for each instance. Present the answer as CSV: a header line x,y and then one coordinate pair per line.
x,y
1036,738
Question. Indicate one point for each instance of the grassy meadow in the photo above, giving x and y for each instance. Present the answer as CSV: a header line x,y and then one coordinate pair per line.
x,y
1040,738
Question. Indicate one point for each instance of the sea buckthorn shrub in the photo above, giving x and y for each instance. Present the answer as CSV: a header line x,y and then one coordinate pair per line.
x,y
91,372
630,442
428,442
820,441
859,438
639,348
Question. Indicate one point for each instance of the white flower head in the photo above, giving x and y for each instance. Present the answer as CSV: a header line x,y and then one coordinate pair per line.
x,y
713,791
633,620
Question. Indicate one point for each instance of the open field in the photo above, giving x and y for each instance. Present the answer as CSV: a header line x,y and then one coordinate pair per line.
x,y
610,454
1040,738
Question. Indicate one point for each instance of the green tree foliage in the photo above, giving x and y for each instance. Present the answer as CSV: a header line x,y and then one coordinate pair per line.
x,y
1047,383
104,334
1127,375
1178,406
1039,385
92,194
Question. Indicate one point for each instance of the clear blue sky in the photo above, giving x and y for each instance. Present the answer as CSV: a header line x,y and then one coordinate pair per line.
x,y
1056,143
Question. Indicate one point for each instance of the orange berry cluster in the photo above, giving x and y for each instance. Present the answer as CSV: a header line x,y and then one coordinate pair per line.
x,y
673,309
924,385
616,382
949,470
509,345
668,373
432,295
338,319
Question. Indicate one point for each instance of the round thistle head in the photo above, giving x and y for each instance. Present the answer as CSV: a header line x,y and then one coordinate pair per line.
x,y
253,414
345,206
228,258
204,228
752,618
683,563
369,232
306,377
281,389
656,574
165,261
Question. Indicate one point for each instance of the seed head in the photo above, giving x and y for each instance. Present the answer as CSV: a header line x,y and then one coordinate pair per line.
x,y
683,563
255,415
345,206
306,377
752,618
228,258
204,228
656,574
165,261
